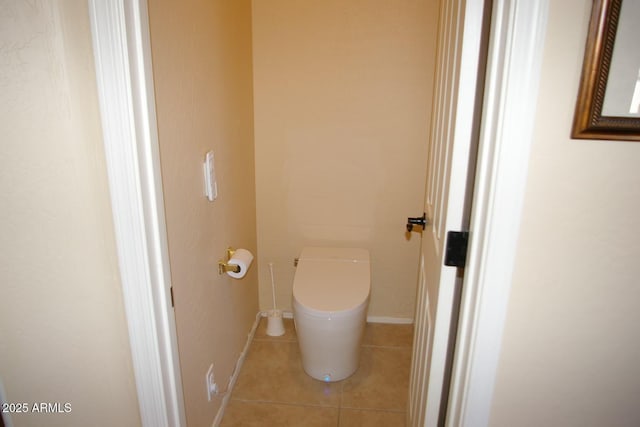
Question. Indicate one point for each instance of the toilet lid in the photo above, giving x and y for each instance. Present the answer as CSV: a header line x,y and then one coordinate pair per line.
x,y
332,285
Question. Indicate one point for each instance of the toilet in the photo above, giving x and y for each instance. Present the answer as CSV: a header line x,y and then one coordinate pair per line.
x,y
330,298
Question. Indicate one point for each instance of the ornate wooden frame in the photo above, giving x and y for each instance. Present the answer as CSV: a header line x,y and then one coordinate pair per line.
x,y
588,122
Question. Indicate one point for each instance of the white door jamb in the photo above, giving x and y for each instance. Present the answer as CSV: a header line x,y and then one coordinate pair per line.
x,y
518,29
120,31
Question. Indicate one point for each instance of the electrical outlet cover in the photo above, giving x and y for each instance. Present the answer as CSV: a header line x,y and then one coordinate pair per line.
x,y
212,387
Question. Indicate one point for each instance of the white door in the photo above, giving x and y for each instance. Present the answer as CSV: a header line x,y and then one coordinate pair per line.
x,y
446,204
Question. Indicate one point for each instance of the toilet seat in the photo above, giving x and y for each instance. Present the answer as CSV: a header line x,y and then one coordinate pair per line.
x,y
332,280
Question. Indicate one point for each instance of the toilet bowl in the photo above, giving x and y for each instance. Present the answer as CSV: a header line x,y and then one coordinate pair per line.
x,y
330,298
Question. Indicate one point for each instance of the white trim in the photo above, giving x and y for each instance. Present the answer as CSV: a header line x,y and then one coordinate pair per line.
x,y
513,73
370,319
236,371
125,90
390,320
285,314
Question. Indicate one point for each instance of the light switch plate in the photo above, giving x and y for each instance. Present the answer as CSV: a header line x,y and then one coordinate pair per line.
x,y
210,182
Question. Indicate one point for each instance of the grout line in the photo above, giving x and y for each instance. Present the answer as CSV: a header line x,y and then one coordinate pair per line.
x,y
342,383
277,402
282,340
386,346
311,405
395,411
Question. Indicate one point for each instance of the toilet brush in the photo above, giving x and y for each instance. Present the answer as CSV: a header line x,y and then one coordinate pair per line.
x,y
275,327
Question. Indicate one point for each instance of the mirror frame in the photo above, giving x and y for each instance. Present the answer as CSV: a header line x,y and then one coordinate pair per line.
x,y
588,122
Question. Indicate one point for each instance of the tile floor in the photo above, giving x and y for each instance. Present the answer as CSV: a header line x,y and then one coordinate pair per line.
x,y
273,390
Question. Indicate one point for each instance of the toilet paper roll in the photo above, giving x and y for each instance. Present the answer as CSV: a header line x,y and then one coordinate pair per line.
x,y
242,258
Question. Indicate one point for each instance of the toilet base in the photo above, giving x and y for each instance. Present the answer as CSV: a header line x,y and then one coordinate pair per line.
x,y
330,344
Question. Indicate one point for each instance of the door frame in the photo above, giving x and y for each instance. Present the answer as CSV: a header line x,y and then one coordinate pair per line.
x,y
514,62
122,52
125,91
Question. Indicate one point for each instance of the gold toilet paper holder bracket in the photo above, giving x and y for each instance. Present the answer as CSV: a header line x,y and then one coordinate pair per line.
x,y
224,266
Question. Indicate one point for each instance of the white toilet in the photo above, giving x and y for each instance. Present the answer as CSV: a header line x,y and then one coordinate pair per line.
x,y
330,298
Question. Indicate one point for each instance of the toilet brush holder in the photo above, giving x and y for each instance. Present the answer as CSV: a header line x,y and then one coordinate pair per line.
x,y
275,326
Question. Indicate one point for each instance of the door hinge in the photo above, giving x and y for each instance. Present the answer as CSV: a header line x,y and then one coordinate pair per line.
x,y
456,249
171,292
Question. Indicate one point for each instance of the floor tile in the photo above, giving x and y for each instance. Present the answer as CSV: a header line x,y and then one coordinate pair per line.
x,y
384,334
381,381
362,418
273,389
248,414
272,372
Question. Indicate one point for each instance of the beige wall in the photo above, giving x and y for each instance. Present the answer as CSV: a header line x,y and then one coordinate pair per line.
x,y
571,346
63,335
202,70
342,107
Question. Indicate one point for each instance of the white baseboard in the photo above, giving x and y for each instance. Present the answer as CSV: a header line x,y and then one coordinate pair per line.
x,y
285,314
370,319
236,371
392,320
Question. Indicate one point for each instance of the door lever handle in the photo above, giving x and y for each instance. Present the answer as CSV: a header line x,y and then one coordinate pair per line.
x,y
421,221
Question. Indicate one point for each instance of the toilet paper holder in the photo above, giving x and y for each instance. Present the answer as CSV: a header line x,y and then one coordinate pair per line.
x,y
224,266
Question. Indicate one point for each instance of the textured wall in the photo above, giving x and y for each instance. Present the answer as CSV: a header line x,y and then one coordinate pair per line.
x,y
571,349
202,70
342,108
63,336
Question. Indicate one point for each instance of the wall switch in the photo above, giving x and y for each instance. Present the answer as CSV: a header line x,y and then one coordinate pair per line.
x,y
212,387
210,182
